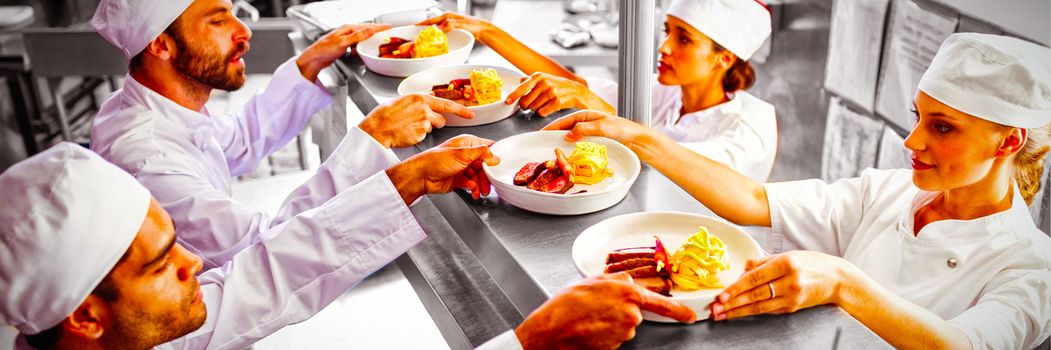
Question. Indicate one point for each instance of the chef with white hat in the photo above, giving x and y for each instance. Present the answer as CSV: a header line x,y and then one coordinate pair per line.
x,y
699,96
90,261
157,128
945,255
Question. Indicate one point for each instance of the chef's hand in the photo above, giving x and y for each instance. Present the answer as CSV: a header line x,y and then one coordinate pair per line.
x,y
600,312
449,20
594,123
796,279
334,45
545,94
408,119
456,163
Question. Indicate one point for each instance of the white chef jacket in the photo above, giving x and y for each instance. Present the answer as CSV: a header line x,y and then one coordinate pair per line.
x,y
301,266
989,277
186,158
741,133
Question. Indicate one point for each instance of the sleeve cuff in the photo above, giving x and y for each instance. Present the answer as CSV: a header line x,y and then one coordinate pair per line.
x,y
775,241
361,155
967,327
291,80
505,341
395,228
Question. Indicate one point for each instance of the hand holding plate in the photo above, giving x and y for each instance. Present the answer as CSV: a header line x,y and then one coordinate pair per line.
x,y
783,283
334,45
450,20
600,312
451,165
545,94
595,123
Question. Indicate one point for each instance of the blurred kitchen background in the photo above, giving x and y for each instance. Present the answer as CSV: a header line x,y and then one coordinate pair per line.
x,y
841,74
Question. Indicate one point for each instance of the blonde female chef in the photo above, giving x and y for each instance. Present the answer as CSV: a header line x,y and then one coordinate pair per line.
x,y
699,98
943,256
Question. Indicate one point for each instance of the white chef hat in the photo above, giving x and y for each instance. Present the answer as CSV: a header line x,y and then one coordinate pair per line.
x,y
997,78
68,217
740,26
130,25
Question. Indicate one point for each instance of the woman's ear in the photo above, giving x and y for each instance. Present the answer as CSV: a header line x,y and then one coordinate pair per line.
x,y
726,59
1014,142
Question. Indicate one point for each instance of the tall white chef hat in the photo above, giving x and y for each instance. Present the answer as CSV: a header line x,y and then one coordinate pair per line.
x,y
740,26
997,78
68,217
130,25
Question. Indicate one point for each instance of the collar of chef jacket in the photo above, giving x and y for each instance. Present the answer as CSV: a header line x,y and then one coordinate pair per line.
x,y
676,125
985,226
198,124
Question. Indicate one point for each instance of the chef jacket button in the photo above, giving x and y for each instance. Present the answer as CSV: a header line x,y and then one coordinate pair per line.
x,y
951,262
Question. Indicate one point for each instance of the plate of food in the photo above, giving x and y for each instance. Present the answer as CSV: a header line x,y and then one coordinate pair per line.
x,y
480,88
404,51
689,257
542,172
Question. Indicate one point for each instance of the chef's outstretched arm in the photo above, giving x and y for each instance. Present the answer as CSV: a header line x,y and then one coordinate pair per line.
x,y
788,282
520,55
726,192
311,259
550,87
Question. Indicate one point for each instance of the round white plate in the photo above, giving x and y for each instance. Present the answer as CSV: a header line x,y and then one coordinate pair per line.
x,y
460,44
483,114
638,229
516,151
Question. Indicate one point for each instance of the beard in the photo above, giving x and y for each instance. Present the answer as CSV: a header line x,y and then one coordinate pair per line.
x,y
207,66
135,329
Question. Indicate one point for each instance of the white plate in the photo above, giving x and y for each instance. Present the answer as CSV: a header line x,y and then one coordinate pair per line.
x,y
516,151
483,114
638,229
460,44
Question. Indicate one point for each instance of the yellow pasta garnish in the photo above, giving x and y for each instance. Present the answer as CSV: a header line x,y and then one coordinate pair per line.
x,y
487,86
430,42
696,264
589,162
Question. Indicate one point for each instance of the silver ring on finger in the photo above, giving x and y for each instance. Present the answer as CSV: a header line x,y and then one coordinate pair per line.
x,y
772,293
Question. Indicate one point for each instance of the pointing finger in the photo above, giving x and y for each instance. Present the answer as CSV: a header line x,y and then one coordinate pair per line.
x,y
522,89
527,100
436,120
665,306
442,105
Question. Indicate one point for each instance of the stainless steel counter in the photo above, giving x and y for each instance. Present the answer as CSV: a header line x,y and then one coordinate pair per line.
x,y
487,264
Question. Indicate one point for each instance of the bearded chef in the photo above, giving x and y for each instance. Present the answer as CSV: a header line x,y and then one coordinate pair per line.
x,y
90,261
157,127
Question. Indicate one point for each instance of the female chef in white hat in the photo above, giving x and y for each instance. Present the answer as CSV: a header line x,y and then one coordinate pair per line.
x,y
700,99
942,256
